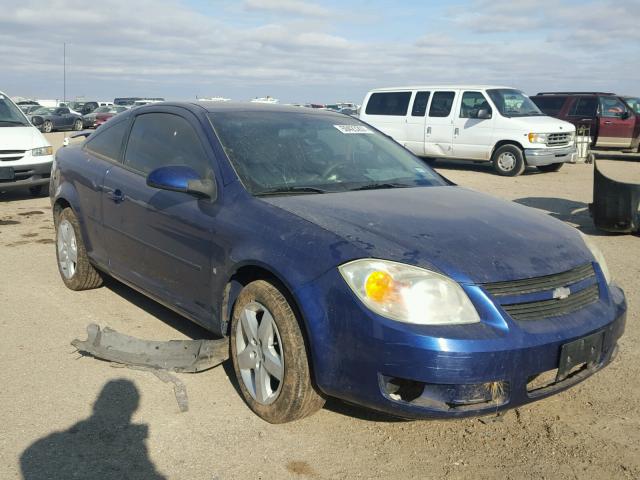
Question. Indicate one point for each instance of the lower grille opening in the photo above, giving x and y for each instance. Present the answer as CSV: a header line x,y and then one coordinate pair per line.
x,y
447,397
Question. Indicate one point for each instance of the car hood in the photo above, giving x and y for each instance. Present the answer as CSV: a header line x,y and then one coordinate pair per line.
x,y
543,124
21,138
469,236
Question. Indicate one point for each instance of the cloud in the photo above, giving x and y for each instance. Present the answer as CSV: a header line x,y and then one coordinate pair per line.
x,y
295,7
171,49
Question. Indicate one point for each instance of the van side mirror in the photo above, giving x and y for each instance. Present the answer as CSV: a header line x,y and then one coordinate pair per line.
x,y
484,114
179,178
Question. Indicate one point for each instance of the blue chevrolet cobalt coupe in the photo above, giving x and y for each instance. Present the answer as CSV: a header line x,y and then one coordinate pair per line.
x,y
335,262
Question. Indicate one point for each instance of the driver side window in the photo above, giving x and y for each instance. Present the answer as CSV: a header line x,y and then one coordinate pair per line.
x,y
472,103
163,139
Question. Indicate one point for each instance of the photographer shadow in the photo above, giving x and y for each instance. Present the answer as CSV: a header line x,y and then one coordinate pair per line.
x,y
104,446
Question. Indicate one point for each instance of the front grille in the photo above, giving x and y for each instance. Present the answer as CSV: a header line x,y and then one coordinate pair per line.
x,y
509,294
554,307
8,155
558,139
540,284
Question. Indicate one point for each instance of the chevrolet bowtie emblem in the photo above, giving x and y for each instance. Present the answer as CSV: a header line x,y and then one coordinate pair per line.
x,y
561,293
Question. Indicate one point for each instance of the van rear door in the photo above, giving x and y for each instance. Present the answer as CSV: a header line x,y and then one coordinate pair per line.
x,y
439,124
387,112
472,136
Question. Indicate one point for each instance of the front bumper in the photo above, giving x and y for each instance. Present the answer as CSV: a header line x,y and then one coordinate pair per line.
x,y
547,156
418,371
28,175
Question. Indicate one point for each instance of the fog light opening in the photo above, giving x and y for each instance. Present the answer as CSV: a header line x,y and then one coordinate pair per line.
x,y
403,389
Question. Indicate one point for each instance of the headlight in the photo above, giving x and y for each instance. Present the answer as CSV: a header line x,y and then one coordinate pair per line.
x,y
39,152
597,254
408,294
537,138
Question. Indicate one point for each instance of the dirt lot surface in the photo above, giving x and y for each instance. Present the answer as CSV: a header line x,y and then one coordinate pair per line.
x,y
122,423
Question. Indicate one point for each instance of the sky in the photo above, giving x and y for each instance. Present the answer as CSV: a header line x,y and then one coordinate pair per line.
x,y
313,51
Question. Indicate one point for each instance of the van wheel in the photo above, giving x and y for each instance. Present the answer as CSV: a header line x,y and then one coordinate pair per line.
x,y
554,167
73,263
508,161
269,356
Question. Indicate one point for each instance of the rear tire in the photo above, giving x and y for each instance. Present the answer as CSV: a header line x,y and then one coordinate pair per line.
x,y
508,161
73,263
77,125
554,167
267,342
47,126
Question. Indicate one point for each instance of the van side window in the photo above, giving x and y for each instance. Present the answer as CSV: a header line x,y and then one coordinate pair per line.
x,y
472,102
584,107
441,104
611,107
420,104
551,105
388,103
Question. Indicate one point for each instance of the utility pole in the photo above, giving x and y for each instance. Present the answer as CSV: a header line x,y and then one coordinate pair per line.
x,y
64,73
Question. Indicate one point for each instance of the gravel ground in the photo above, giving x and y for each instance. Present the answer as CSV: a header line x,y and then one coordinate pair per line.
x,y
69,417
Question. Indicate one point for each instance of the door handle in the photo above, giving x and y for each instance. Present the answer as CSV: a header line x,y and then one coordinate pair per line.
x,y
456,131
116,195
607,123
428,130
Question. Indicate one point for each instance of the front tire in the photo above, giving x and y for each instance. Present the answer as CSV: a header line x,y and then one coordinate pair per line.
x,y
47,126
73,263
508,161
269,356
77,125
554,167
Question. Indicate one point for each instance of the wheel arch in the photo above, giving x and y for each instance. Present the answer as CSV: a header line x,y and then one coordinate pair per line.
x,y
502,143
248,272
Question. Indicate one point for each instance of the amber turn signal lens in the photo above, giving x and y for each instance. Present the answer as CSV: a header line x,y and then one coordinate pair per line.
x,y
378,285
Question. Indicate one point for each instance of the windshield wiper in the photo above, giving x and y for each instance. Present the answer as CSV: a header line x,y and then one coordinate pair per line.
x,y
13,122
290,189
382,185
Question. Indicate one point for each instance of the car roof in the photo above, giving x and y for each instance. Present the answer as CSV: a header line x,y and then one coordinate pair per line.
x,y
442,87
219,107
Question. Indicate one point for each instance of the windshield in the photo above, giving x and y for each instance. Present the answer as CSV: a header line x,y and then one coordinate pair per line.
x,y
44,111
634,103
513,103
282,152
103,110
10,114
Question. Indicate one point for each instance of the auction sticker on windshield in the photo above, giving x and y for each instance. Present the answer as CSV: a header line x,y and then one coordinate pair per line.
x,y
353,129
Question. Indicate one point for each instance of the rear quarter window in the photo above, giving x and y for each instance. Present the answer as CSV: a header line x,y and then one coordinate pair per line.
x,y
388,103
107,142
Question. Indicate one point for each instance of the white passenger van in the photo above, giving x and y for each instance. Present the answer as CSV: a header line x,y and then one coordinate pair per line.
x,y
472,122
25,155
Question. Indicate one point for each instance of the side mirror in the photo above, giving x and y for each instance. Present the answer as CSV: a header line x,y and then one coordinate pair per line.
x,y
183,179
484,114
624,115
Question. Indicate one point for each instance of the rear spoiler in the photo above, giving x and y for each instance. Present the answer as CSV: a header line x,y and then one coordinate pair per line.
x,y
616,205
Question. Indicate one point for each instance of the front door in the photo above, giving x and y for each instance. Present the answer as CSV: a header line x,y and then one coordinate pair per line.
x,y
616,124
472,136
160,240
439,125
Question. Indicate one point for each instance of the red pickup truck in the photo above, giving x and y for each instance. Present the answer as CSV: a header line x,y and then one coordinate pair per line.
x,y
610,121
